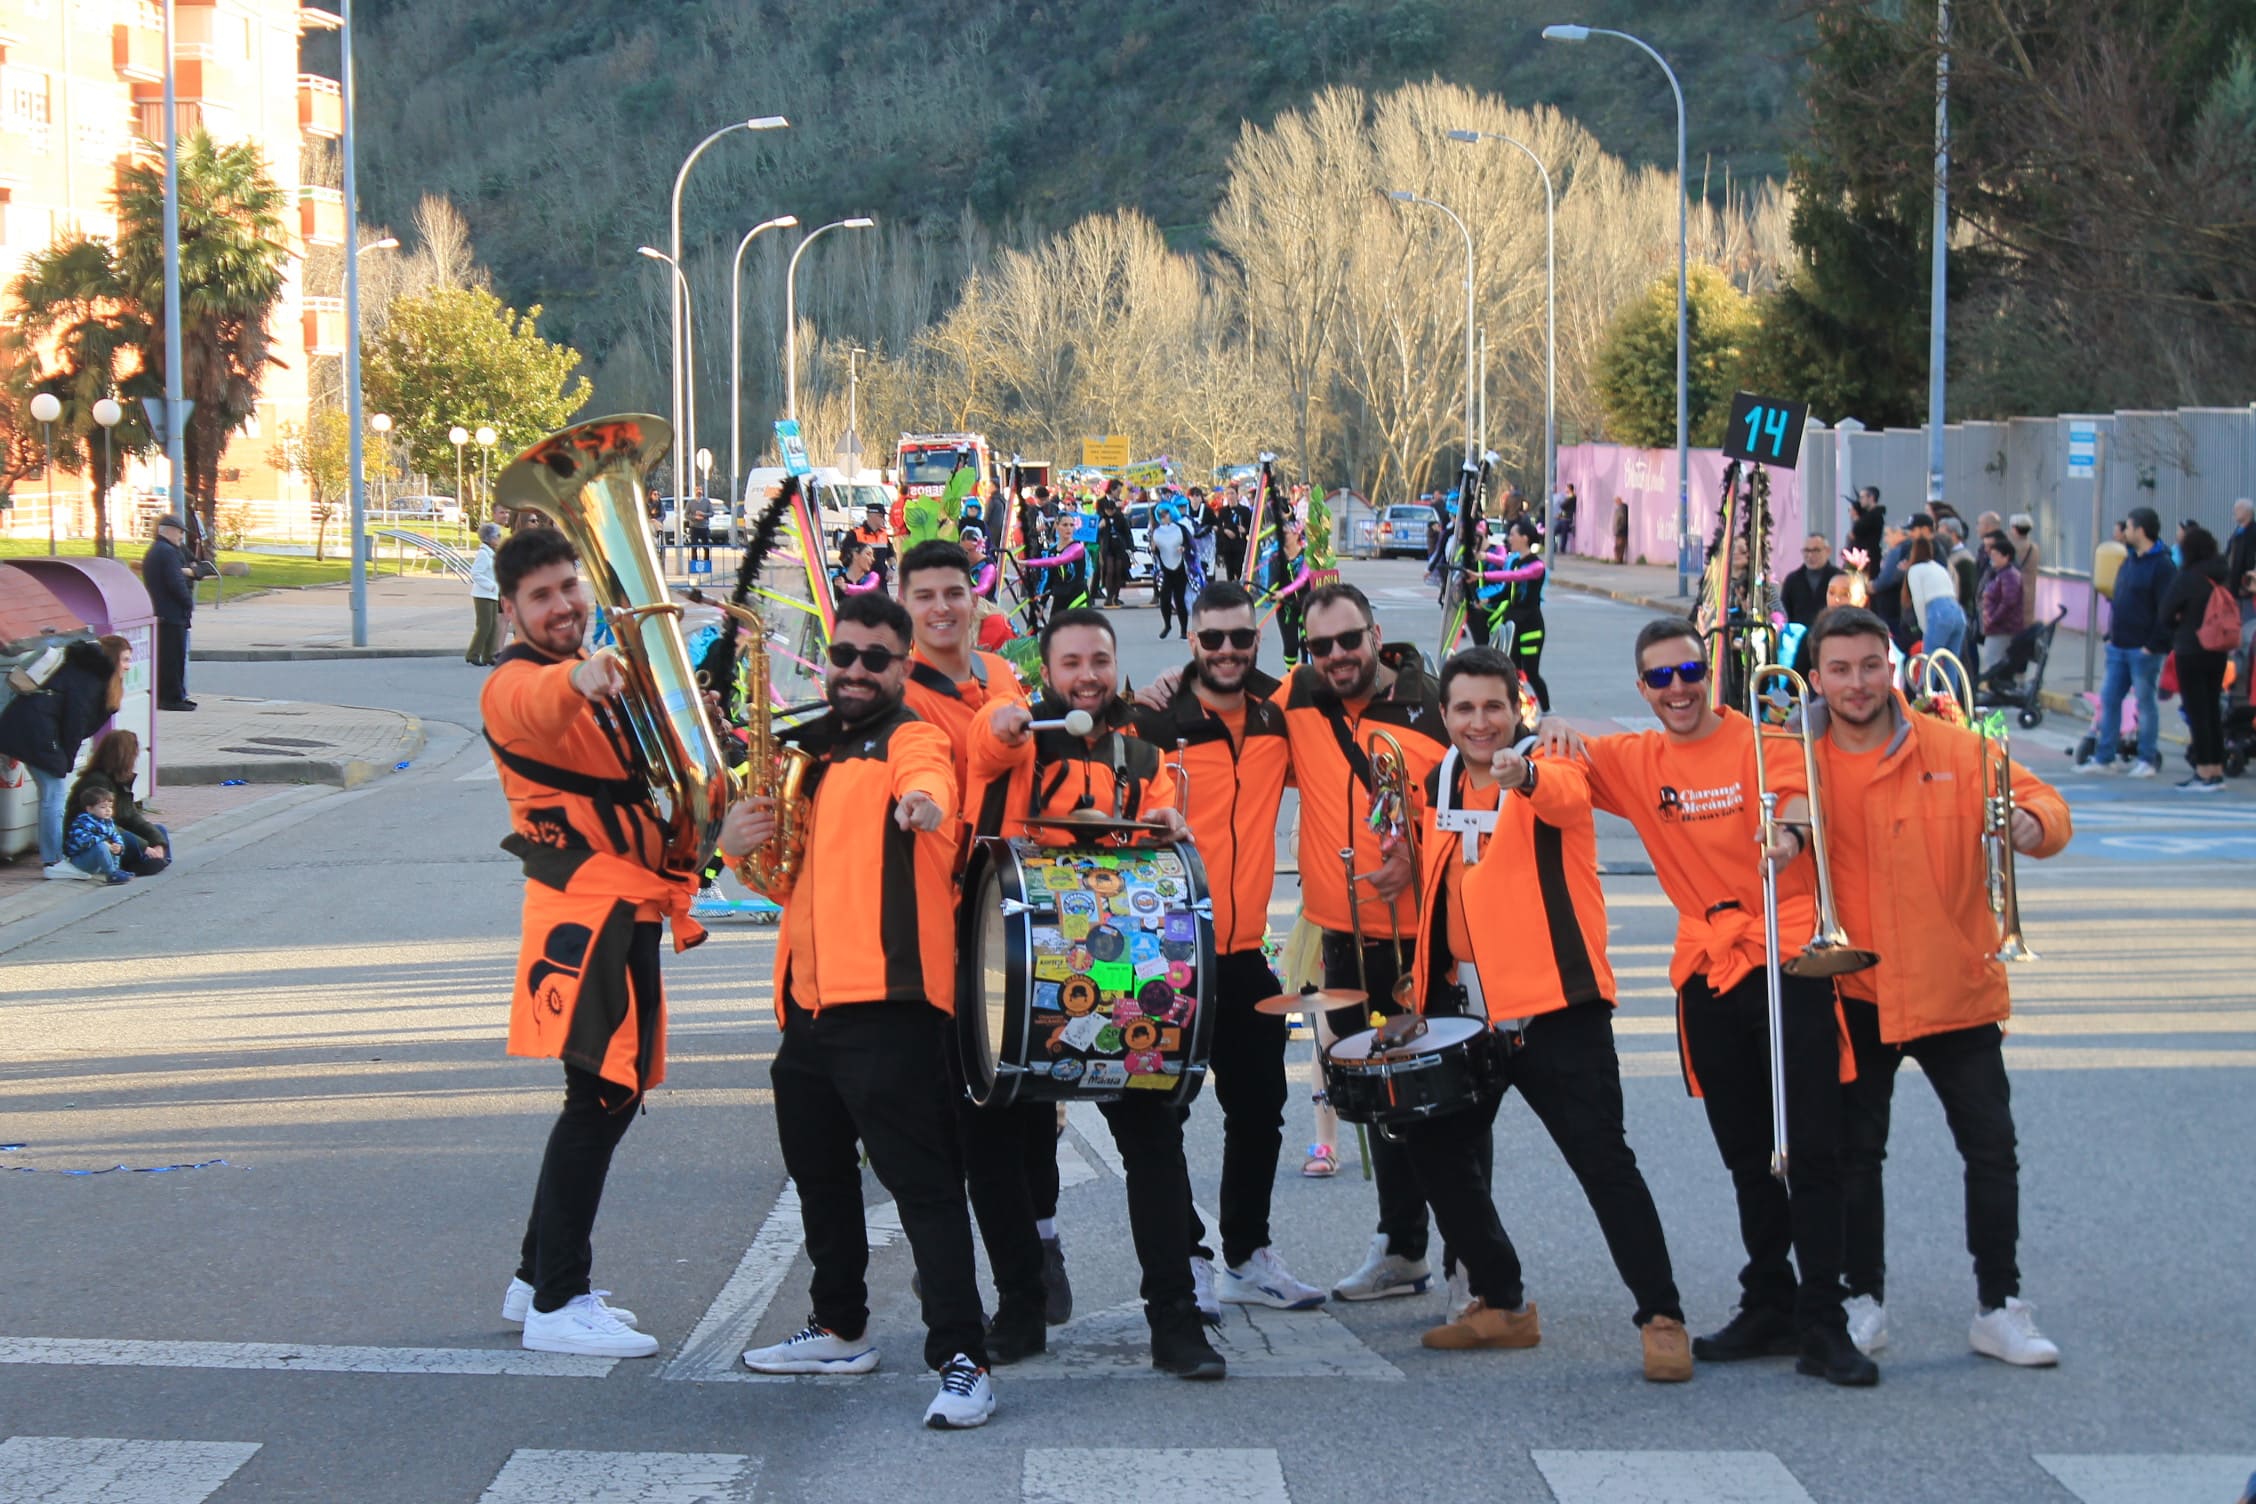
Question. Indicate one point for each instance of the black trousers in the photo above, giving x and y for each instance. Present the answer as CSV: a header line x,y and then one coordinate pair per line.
x,y
1967,1069
1290,614
172,661
1247,1066
1114,567
1727,1040
1174,585
1527,655
1569,1074
2201,688
557,1253
1229,554
877,1073
1002,1151
1402,1202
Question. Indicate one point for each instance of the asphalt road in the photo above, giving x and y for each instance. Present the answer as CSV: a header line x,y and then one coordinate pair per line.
x,y
321,1005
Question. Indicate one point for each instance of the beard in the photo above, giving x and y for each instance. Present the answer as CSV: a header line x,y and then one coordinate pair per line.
x,y
854,708
1208,673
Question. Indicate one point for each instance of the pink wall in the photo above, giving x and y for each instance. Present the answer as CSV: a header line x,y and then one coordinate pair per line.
x,y
1646,479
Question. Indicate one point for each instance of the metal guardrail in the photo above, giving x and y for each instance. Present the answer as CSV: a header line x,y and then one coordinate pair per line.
x,y
454,560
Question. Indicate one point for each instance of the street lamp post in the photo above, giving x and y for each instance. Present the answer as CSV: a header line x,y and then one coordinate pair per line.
x,y
853,446
355,452
791,308
458,436
107,413
1550,322
486,437
1472,443
736,352
687,350
1683,241
684,412
45,409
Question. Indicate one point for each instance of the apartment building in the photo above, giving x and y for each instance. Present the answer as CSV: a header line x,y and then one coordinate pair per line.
x,y
82,93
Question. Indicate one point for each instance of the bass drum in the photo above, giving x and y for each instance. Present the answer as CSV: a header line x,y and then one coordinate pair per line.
x,y
1081,973
1444,1069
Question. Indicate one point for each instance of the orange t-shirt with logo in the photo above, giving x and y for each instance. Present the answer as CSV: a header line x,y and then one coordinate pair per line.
x,y
1692,806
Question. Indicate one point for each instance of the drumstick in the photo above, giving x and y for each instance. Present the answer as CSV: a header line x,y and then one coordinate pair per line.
x,y
1073,723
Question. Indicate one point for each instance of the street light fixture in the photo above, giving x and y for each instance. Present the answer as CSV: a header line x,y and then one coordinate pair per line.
x,y
1569,33
685,432
486,436
108,414
382,423
791,309
736,351
1472,454
45,409
458,436
1550,321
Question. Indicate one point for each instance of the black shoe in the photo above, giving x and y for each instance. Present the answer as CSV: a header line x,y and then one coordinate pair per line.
x,y
1057,1290
1179,1347
1751,1333
176,704
1013,1336
1828,1354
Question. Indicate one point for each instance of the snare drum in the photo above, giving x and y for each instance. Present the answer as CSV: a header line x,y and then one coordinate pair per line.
x,y
1443,1070
1081,972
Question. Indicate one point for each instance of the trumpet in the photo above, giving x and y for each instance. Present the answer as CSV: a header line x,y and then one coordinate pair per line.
x,y
1829,953
1390,816
1999,880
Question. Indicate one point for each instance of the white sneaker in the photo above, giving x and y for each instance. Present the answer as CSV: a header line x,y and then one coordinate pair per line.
x,y
518,1299
966,1399
1202,1291
1868,1323
2142,770
584,1325
1384,1275
2010,1335
1263,1280
814,1349
66,872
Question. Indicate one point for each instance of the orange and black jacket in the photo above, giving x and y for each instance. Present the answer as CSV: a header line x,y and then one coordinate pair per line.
x,y
1536,913
1235,789
952,707
1055,773
590,840
883,897
1334,776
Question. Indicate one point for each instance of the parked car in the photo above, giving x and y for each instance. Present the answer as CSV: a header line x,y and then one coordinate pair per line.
x,y
1403,527
426,508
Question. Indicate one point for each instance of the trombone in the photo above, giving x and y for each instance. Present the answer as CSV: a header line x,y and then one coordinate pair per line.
x,y
1829,953
1999,881
1390,816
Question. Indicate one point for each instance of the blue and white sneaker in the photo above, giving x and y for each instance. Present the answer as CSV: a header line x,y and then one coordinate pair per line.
x,y
966,1398
1263,1280
815,1349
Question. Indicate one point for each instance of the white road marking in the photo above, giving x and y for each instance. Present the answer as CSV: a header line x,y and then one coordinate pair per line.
x,y
541,1477
485,772
96,1352
1153,1475
1258,1343
717,1342
2124,1478
110,1470
1669,1478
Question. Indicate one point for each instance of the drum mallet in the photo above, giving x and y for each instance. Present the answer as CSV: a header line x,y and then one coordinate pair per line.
x,y
1072,723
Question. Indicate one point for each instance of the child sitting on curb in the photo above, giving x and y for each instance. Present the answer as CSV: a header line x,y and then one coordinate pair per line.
x,y
92,844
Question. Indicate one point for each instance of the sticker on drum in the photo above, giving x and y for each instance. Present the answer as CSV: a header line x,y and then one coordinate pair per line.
x,y
1078,902
1178,950
1082,1033
1121,905
1114,976
1109,1041
1078,996
1080,958
1103,881
1060,879
1167,862
1154,969
1107,1073
1152,1083
1182,929
1046,996
1179,974
1107,943
1143,901
1075,927
1144,1063
1185,1006
1051,968
1170,1040
1067,1070
1143,947
1140,1034
1155,997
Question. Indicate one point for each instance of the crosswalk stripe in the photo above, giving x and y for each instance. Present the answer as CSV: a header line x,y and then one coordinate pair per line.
x,y
113,1470
1153,1475
102,1352
485,772
531,1476
2125,1478
1668,1478
718,1339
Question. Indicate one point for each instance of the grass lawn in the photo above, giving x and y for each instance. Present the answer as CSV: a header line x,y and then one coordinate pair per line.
x,y
268,571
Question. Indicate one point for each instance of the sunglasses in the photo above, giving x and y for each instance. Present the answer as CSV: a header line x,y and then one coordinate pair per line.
x,y
876,660
1240,638
1345,642
1669,673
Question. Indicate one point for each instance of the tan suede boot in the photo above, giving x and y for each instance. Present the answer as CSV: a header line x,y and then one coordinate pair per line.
x,y
1668,1351
1483,1326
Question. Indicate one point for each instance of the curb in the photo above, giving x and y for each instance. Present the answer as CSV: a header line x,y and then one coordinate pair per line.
x,y
1626,597
306,655
346,773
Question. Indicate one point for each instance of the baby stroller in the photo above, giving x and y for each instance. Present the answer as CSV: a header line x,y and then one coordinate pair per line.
x,y
2240,738
2018,679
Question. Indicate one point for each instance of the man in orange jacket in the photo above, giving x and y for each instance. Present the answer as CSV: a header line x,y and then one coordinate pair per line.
x,y
866,1018
1689,789
1232,745
1351,686
1904,808
596,895
1506,835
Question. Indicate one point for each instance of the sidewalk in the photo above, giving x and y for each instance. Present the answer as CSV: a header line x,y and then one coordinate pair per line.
x,y
230,738
417,616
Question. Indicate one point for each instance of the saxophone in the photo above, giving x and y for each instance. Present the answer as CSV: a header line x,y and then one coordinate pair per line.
x,y
771,770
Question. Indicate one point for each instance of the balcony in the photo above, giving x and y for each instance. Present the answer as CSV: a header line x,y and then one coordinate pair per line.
x,y
321,107
196,75
321,216
325,326
138,53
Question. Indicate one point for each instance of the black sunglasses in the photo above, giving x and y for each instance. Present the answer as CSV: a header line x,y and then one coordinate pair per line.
x,y
1345,642
876,660
1669,673
1241,638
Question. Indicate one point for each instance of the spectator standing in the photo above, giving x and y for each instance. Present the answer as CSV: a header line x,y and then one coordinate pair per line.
x,y
1621,531
110,767
44,729
2025,547
2240,577
1803,593
2002,608
1115,545
2201,652
1934,599
165,575
1233,524
1868,528
485,600
2136,643
1888,585
1569,504
93,843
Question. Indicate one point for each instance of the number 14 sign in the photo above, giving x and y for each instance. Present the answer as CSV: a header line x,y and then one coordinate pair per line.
x,y
1765,430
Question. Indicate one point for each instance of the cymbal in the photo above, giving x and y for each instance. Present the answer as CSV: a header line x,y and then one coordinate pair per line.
x,y
1285,1003
1823,961
1339,997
